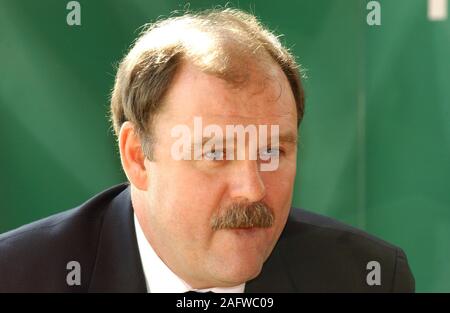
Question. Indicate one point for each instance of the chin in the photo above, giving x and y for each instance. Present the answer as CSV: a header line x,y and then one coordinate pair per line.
x,y
238,255
240,270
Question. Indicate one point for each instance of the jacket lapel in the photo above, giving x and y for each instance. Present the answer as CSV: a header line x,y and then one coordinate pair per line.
x,y
118,267
274,276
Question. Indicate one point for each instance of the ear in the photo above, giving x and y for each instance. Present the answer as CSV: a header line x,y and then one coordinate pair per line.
x,y
132,156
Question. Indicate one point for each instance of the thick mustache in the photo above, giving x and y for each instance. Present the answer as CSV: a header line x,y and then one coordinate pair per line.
x,y
243,215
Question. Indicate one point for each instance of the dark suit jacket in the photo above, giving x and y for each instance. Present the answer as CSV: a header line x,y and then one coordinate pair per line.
x,y
313,254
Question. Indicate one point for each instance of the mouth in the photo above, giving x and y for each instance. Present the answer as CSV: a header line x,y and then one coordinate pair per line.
x,y
248,230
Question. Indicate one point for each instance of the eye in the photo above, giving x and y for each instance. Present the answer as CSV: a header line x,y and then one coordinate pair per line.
x,y
269,153
214,155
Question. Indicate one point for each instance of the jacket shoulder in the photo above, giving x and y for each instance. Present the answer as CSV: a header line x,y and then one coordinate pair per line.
x,y
341,255
307,220
35,257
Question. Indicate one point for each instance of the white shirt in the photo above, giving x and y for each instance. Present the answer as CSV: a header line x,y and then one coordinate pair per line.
x,y
160,278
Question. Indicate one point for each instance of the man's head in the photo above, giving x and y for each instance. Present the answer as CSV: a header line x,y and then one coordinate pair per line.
x,y
213,221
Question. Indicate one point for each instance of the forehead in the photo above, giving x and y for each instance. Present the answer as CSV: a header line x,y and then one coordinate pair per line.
x,y
265,97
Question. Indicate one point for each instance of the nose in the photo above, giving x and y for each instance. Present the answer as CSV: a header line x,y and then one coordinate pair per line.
x,y
246,182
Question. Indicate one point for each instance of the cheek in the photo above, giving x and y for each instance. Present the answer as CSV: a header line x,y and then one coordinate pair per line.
x,y
279,190
186,198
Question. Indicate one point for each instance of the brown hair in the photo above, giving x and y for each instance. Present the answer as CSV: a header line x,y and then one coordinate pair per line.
x,y
218,41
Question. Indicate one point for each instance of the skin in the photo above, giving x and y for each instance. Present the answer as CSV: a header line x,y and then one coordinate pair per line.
x,y
174,200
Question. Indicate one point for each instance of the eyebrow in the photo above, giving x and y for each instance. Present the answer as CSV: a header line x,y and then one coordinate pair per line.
x,y
288,137
205,140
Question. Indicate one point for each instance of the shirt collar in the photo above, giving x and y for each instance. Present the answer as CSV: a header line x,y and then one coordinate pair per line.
x,y
160,278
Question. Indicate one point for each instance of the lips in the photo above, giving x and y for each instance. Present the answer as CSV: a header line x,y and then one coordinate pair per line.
x,y
246,230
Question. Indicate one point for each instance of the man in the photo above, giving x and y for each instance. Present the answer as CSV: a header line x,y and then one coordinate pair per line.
x,y
206,108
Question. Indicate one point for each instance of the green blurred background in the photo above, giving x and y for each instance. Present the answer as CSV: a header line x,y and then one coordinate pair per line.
x,y
375,151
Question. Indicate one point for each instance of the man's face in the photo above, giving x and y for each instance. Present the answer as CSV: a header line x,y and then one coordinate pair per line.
x,y
183,196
